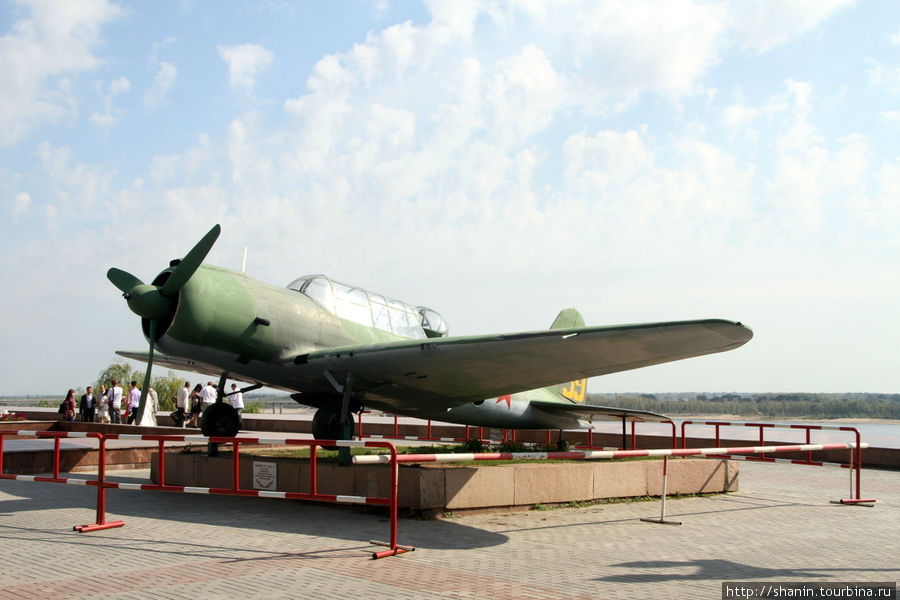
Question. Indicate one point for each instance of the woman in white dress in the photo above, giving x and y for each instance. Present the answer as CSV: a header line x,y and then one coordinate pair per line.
x,y
148,419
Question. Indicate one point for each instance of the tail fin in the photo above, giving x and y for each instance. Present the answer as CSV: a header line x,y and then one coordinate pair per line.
x,y
575,391
568,318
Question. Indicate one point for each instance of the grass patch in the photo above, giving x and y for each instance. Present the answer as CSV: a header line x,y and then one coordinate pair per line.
x,y
471,446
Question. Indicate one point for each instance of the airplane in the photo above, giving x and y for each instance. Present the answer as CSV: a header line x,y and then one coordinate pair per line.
x,y
340,349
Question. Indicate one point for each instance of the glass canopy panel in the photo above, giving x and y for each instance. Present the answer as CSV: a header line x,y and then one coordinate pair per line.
x,y
380,313
352,304
361,306
433,324
319,289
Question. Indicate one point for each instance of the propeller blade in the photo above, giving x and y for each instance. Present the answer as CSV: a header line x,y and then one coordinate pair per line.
x,y
190,263
123,280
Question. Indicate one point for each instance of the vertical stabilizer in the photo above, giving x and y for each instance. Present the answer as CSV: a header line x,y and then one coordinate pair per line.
x,y
574,391
568,318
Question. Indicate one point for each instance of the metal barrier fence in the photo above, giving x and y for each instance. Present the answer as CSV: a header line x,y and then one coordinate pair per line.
x,y
854,464
607,454
103,484
509,435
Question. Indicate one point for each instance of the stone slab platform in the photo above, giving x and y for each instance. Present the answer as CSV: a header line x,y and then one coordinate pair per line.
x,y
432,487
779,528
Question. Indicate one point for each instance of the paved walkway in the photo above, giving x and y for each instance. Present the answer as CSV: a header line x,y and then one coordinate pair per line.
x,y
779,527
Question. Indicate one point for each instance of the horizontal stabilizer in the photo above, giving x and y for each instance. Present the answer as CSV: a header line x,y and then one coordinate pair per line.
x,y
588,412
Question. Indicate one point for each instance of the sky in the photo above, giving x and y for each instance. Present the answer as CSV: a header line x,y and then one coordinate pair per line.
x,y
641,161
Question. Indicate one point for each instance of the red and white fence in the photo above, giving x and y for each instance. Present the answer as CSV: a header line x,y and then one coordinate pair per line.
x,y
854,464
509,435
608,454
313,494
596,454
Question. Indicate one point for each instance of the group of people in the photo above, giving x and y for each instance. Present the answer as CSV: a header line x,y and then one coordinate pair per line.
x,y
108,404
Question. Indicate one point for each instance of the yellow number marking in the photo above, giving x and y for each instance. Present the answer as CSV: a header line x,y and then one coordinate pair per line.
x,y
575,390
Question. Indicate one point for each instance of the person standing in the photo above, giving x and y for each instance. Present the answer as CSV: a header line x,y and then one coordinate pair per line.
x,y
182,404
196,404
148,419
237,400
115,402
86,407
134,401
208,395
102,413
68,407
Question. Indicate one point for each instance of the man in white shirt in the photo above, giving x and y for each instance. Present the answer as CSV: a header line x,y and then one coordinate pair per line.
x,y
115,402
182,405
237,400
208,394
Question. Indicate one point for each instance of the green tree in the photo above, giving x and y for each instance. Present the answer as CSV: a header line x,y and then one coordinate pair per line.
x,y
166,386
120,371
166,389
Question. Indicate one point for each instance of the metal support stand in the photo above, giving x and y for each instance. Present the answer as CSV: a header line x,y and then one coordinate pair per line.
x,y
662,517
344,458
211,448
855,467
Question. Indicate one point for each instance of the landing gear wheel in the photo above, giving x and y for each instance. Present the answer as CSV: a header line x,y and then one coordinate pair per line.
x,y
220,420
326,425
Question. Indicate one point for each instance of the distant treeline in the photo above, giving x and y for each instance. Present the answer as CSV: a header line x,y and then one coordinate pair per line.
x,y
812,406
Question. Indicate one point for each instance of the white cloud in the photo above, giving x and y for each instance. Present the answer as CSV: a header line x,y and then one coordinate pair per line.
x,y
74,190
245,63
104,120
738,117
111,114
156,94
764,24
21,205
38,55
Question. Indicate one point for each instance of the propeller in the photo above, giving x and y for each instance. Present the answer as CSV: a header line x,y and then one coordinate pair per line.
x,y
156,303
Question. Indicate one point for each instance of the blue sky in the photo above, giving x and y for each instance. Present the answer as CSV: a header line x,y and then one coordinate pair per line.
x,y
497,161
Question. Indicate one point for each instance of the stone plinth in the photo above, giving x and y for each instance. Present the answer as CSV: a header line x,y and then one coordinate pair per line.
x,y
433,487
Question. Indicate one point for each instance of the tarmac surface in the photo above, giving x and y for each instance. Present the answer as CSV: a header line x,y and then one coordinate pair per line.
x,y
779,528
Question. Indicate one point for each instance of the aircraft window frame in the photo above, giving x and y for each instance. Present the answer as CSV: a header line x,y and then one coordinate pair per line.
x,y
352,304
319,289
361,306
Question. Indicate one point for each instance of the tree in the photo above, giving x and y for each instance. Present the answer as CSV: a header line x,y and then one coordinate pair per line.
x,y
120,371
167,389
166,386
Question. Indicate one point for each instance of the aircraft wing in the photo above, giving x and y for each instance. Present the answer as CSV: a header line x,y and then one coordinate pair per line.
x,y
183,364
590,412
453,371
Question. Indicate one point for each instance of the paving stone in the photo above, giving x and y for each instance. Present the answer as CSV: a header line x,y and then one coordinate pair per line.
x,y
779,527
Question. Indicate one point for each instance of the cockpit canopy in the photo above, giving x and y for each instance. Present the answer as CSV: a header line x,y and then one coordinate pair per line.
x,y
370,309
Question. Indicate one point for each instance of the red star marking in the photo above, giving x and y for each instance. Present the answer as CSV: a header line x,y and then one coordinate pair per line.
x,y
507,398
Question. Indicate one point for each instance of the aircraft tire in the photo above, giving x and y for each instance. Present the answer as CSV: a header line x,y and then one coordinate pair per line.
x,y
220,420
326,424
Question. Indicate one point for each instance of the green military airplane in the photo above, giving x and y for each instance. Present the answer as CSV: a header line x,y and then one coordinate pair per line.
x,y
339,348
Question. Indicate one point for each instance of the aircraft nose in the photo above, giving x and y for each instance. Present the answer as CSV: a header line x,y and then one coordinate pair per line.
x,y
146,301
